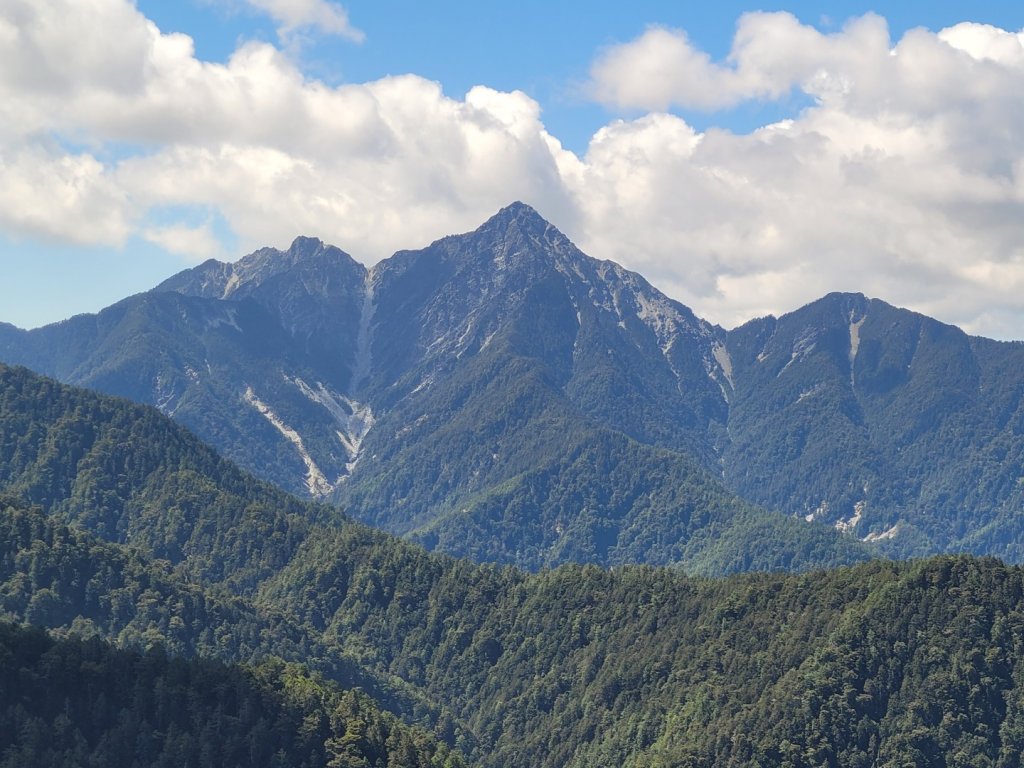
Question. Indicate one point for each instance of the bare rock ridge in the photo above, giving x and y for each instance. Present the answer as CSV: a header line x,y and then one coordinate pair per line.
x,y
222,280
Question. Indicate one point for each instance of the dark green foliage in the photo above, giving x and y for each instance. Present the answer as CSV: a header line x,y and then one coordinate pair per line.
x,y
63,578
610,500
641,666
58,576
202,533
129,474
851,404
879,663
750,542
82,703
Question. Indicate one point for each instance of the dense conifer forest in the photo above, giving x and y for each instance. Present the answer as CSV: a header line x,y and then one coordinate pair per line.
x,y
116,526
80,703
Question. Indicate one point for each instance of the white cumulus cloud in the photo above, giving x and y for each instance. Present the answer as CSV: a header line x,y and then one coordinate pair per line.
x,y
322,15
61,196
904,178
194,243
772,54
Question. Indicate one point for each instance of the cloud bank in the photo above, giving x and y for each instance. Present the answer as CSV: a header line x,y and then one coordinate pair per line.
x,y
904,178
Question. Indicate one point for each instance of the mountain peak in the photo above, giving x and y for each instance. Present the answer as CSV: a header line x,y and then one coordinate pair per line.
x,y
518,210
515,232
520,216
304,246
216,279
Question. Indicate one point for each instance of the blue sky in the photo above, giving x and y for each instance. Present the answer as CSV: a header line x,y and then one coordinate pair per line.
x,y
639,129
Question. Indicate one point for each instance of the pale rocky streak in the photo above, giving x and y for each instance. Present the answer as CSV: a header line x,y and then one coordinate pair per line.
x,y
165,396
885,535
486,343
855,337
809,393
229,318
854,345
763,354
364,339
661,318
427,381
821,510
658,314
359,425
460,344
353,418
793,357
231,284
570,267
617,304
316,483
721,355
802,347
849,525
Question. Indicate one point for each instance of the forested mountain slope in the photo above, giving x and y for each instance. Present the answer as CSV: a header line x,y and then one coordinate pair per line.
x,y
83,703
880,664
501,395
232,371
498,395
874,664
128,474
883,421
637,667
131,475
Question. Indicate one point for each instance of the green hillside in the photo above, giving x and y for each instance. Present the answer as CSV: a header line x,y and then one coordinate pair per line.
x,y
82,703
881,663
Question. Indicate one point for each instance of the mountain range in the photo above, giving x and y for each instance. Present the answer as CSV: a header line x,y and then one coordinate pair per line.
x,y
119,527
501,395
